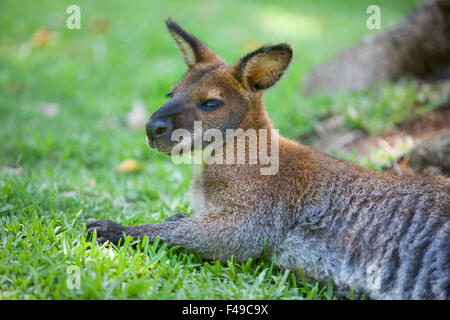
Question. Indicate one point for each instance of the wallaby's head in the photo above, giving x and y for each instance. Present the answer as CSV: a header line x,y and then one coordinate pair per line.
x,y
220,96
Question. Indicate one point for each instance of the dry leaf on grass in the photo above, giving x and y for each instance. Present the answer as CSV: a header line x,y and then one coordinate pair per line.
x,y
129,165
50,109
138,115
42,37
9,170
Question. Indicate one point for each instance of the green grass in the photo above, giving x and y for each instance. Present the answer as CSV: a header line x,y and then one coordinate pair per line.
x,y
386,105
56,172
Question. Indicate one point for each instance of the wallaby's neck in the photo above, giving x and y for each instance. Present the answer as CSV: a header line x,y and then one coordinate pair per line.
x,y
256,117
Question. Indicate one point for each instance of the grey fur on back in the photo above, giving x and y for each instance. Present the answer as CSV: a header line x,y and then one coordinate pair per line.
x,y
400,230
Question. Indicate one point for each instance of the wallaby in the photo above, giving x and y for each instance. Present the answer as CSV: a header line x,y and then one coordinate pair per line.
x,y
384,236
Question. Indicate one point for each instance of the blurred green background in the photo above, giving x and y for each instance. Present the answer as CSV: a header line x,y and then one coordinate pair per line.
x,y
58,168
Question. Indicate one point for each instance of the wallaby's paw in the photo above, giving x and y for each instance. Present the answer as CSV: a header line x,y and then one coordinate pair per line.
x,y
177,217
106,230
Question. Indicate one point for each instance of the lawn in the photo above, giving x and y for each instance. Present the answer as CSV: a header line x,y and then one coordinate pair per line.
x,y
64,95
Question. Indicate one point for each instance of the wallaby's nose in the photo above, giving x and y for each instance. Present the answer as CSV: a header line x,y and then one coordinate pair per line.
x,y
156,128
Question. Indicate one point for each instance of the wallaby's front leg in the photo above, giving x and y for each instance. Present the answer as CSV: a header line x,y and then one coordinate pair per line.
x,y
213,236
111,231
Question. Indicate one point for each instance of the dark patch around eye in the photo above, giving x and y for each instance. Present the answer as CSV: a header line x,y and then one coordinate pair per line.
x,y
211,104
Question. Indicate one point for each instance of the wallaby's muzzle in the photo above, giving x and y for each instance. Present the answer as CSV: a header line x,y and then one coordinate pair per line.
x,y
158,133
161,125
157,128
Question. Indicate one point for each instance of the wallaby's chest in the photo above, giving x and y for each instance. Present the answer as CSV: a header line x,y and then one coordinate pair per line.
x,y
197,191
233,188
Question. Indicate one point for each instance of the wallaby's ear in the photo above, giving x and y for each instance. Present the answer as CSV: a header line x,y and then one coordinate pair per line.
x,y
262,68
193,50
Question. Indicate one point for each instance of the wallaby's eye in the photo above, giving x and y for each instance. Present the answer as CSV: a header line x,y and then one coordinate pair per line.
x,y
168,95
211,104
